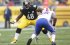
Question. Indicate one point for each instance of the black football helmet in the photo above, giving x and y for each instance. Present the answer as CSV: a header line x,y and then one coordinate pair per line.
x,y
26,4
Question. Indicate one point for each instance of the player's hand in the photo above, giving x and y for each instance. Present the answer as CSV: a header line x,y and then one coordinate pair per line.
x,y
13,22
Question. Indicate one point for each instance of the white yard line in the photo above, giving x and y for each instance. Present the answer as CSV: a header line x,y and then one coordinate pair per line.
x,y
15,29
58,28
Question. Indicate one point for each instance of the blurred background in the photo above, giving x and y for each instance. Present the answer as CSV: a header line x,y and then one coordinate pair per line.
x,y
61,7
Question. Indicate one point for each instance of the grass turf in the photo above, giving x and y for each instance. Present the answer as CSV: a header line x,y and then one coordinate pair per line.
x,y
62,37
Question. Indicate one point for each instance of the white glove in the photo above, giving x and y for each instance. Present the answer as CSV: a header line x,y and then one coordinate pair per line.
x,y
13,22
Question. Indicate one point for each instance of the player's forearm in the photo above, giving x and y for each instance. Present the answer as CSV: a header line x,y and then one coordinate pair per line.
x,y
19,16
54,21
39,9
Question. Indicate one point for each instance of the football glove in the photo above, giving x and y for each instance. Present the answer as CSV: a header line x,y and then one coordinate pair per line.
x,y
13,22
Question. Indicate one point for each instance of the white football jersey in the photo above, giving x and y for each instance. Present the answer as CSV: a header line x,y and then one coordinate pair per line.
x,y
47,14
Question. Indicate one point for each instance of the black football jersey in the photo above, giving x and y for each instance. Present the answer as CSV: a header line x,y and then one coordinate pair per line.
x,y
30,13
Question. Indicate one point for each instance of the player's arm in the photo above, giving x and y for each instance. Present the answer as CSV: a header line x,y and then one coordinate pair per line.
x,y
54,19
38,9
17,19
19,16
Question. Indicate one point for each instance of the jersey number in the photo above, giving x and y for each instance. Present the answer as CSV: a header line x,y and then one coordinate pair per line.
x,y
30,16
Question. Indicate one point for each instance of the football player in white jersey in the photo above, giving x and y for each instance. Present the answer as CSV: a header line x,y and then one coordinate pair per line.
x,y
44,22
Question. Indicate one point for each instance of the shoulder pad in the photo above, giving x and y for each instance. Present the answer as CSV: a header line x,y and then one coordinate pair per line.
x,y
21,8
34,6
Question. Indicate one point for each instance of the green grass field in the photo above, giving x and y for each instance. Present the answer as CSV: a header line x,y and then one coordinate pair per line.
x,y
62,38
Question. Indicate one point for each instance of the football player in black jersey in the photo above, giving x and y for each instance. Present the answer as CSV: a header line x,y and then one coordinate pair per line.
x,y
30,15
